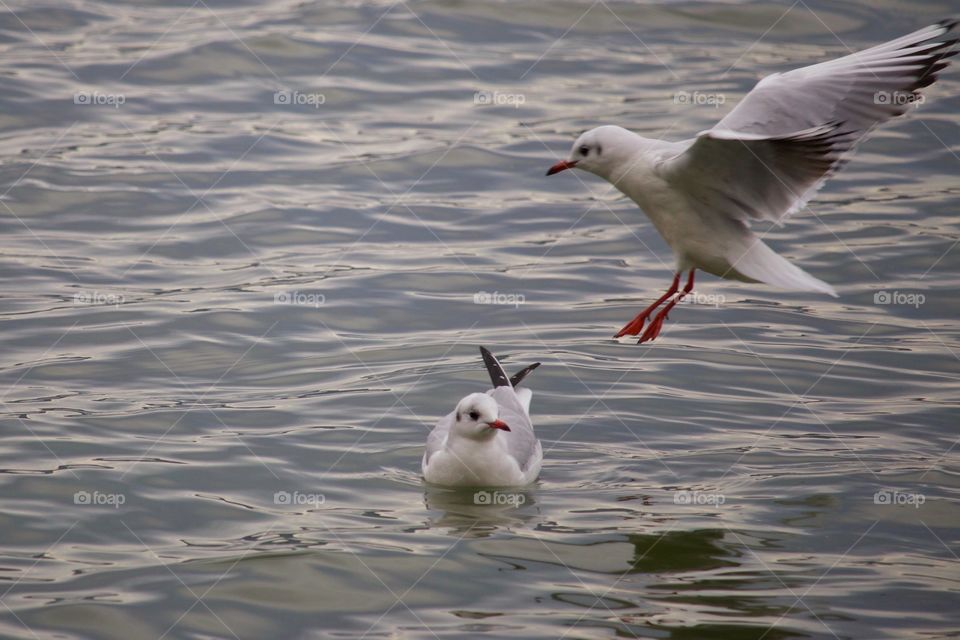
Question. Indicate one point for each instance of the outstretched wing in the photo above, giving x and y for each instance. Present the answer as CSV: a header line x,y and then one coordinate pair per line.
x,y
771,154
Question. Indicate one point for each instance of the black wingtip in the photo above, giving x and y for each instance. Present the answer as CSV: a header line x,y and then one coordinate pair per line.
x,y
497,375
949,23
518,377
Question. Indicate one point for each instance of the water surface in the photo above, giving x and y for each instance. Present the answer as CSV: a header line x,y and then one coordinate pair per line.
x,y
242,250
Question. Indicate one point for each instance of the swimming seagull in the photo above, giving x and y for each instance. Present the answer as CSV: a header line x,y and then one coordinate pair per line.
x,y
763,161
488,440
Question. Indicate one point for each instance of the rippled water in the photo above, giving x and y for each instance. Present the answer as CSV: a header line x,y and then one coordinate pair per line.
x,y
188,454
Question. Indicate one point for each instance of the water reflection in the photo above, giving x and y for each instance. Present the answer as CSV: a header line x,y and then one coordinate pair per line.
x,y
481,512
662,553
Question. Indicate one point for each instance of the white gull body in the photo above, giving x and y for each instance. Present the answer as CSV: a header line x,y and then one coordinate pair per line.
x,y
763,161
488,440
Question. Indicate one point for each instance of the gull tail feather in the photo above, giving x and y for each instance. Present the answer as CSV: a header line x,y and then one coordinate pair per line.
x,y
761,263
518,377
498,377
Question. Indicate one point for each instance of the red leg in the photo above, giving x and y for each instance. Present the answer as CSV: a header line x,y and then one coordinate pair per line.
x,y
633,327
657,323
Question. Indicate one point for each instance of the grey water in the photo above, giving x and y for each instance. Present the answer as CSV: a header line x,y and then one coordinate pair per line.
x,y
249,250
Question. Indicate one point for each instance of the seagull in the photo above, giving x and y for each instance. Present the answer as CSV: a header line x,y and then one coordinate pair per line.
x,y
488,440
763,161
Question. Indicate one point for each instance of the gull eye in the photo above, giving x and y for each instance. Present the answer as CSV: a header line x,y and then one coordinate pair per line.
x,y
474,415
584,150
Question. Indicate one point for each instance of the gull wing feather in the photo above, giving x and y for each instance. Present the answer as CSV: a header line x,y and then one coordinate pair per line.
x,y
771,153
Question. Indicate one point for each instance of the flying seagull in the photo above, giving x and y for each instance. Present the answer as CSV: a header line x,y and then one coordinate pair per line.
x,y
763,161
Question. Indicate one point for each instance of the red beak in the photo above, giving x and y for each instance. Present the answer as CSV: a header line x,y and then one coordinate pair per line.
x,y
561,166
498,424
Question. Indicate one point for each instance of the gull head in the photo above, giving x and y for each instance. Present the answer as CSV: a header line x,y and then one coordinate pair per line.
x,y
599,151
477,417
